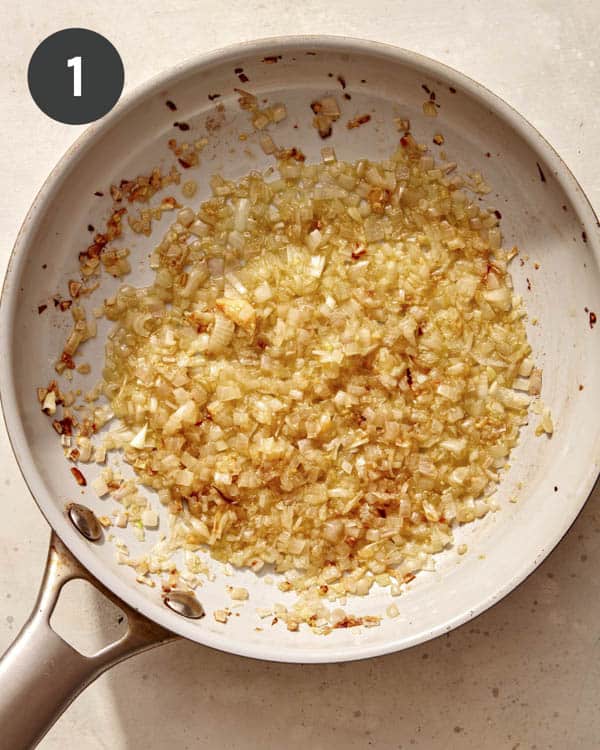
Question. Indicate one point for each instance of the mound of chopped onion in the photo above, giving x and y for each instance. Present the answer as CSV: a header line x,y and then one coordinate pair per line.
x,y
322,375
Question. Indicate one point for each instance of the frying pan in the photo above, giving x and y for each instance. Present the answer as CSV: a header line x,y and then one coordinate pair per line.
x,y
545,214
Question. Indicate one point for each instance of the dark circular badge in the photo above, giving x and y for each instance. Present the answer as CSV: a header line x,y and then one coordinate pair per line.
x,y
75,76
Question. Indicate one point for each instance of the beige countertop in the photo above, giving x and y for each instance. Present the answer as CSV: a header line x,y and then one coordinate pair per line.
x,y
525,674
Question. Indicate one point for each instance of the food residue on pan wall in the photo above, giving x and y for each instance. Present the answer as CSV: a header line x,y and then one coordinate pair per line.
x,y
214,121
79,478
541,172
430,107
357,121
327,111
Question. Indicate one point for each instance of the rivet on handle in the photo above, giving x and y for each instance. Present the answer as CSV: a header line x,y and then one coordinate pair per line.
x,y
85,521
184,603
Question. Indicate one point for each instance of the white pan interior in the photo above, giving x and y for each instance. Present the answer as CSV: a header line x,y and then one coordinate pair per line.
x,y
551,222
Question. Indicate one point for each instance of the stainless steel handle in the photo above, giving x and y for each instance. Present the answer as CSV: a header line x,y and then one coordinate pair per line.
x,y
40,674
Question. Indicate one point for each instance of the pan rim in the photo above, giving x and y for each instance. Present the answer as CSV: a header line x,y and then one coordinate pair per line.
x,y
9,301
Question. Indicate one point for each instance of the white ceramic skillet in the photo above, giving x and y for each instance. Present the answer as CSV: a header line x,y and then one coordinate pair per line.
x,y
544,212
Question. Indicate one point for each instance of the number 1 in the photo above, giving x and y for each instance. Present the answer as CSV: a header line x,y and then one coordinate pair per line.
x,y
75,63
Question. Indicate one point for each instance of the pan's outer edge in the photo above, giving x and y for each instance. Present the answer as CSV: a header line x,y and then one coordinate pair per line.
x,y
8,302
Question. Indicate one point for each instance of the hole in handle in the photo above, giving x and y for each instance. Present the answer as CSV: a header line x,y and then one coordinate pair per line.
x,y
86,619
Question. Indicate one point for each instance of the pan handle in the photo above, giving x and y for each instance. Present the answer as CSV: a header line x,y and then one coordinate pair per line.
x,y
40,674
